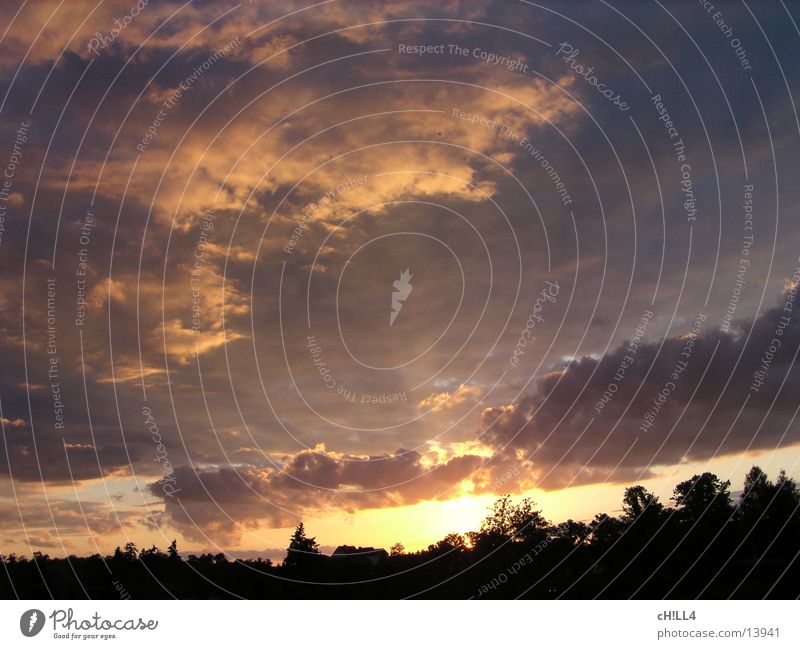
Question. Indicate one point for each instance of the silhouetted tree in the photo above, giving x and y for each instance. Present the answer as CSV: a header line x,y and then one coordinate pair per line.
x,y
786,495
507,519
453,540
768,512
527,522
575,532
149,552
702,548
703,497
451,543
500,520
637,500
130,553
606,530
302,550
756,494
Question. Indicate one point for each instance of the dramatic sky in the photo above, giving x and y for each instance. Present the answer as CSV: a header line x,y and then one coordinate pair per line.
x,y
207,330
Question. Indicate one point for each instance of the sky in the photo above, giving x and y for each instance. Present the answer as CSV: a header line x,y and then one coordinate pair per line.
x,y
371,265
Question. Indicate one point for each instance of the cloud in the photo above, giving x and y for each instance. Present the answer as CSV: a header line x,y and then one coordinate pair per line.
x,y
692,396
463,394
61,523
184,343
42,459
102,291
220,503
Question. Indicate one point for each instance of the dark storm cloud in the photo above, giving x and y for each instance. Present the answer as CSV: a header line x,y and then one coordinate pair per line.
x,y
693,396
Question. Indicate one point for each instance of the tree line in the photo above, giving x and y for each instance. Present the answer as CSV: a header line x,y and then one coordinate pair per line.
x,y
704,543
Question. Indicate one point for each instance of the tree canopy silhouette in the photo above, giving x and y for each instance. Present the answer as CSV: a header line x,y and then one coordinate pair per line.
x,y
302,551
704,545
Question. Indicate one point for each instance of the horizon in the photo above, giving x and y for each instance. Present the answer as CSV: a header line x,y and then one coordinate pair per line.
x,y
278,554
743,546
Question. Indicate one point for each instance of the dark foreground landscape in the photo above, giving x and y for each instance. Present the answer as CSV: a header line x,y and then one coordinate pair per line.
x,y
706,544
